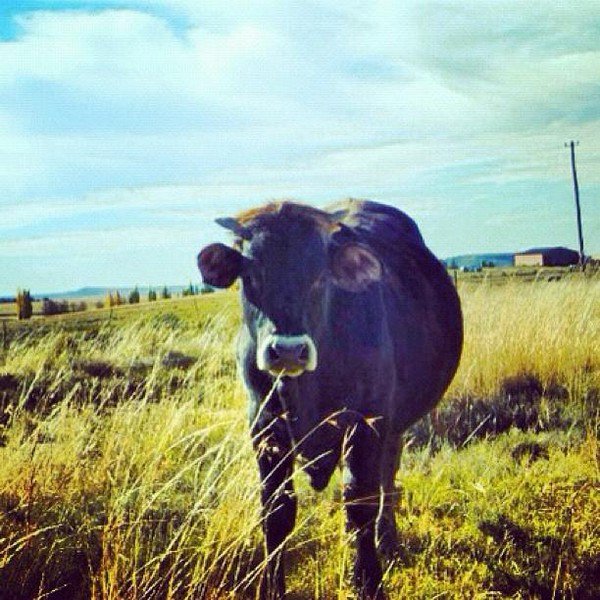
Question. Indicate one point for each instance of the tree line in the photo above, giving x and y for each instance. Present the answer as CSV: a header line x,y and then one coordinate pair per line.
x,y
24,300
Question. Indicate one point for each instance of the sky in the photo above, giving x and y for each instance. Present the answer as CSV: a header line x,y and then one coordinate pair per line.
x,y
127,127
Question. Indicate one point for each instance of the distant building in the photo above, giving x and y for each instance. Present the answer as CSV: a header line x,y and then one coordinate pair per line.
x,y
525,259
546,257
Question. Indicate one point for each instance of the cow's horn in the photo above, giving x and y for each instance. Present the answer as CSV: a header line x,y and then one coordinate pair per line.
x,y
233,225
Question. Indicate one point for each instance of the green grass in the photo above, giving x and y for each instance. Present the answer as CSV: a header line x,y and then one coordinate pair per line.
x,y
128,473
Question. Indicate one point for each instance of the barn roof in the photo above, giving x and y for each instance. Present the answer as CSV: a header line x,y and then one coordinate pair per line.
x,y
549,251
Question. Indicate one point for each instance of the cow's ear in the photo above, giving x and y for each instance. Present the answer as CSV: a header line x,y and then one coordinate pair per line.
x,y
355,267
220,265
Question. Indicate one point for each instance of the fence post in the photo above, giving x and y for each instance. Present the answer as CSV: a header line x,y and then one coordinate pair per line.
x,y
4,336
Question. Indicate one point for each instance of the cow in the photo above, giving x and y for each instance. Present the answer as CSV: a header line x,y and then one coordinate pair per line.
x,y
351,331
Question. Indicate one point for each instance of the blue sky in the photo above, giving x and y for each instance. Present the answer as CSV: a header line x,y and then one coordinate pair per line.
x,y
127,127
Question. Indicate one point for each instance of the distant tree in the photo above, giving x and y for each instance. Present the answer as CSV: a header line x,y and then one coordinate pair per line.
x,y
99,304
115,299
191,290
165,294
453,265
151,295
24,304
206,289
134,296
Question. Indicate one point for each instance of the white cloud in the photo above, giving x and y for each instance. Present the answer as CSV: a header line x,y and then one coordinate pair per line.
x,y
290,79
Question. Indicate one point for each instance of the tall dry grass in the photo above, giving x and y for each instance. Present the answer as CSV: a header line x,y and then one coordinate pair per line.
x,y
123,476
548,328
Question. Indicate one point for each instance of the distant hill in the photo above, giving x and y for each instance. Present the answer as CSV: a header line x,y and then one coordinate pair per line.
x,y
473,261
93,292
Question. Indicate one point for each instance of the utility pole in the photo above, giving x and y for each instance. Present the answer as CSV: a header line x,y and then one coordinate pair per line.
x,y
572,145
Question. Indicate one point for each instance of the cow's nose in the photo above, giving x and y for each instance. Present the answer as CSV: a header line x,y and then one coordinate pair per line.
x,y
288,354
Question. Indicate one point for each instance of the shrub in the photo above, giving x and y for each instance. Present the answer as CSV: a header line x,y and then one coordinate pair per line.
x,y
54,307
77,306
24,304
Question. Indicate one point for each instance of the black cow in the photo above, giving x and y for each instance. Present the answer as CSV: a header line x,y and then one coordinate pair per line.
x,y
352,331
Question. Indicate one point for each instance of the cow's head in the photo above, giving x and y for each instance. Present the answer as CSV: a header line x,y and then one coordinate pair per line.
x,y
288,257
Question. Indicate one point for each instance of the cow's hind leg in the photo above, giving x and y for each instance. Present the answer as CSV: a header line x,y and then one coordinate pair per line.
x,y
275,461
387,534
361,500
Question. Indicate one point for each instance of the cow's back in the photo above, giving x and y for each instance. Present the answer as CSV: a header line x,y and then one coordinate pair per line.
x,y
380,225
421,303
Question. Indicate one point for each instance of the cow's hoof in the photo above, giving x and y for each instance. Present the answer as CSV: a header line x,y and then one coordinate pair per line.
x,y
390,549
388,544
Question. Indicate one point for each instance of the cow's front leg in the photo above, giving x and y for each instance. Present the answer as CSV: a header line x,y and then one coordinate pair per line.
x,y
362,453
275,462
387,534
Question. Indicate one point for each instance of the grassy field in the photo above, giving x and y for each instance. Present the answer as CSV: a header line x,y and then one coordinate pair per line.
x,y
126,471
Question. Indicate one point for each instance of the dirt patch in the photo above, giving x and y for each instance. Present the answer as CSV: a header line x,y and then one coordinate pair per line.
x,y
8,382
462,420
525,386
529,451
177,360
97,368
